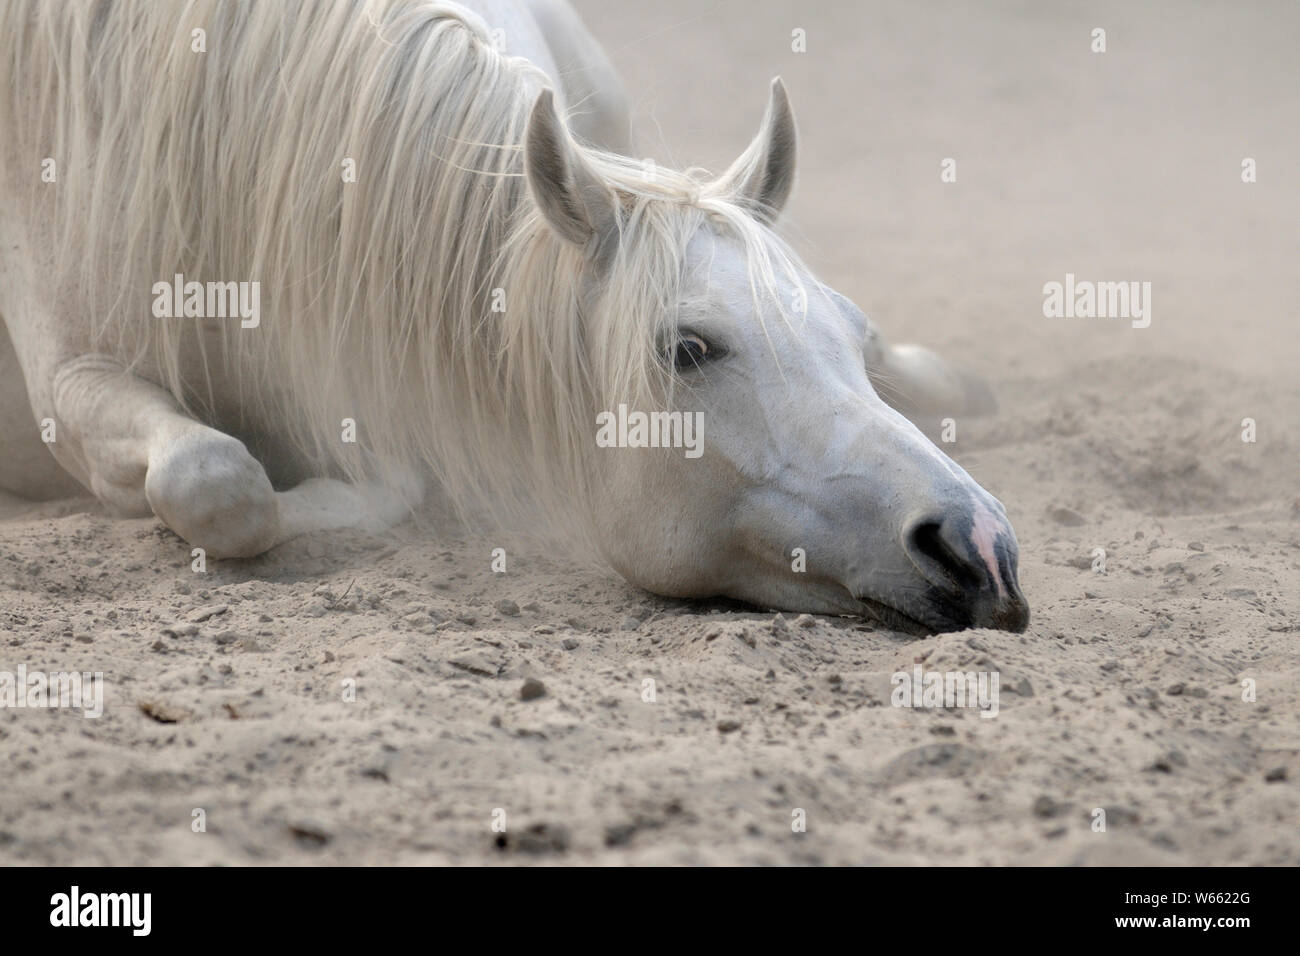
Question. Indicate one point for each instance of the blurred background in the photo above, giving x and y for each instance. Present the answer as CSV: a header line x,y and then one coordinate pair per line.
x,y
1123,165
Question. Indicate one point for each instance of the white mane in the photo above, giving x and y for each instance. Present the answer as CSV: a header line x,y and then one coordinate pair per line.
x,y
377,294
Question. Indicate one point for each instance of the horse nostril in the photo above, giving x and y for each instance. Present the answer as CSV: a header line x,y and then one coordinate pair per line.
x,y
969,561
927,541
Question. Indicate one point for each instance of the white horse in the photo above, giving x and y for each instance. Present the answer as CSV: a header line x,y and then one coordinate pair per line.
x,y
448,283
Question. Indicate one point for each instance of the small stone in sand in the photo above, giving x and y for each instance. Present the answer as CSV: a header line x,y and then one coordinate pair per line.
x,y
310,834
1046,807
619,834
162,713
476,662
532,689
201,614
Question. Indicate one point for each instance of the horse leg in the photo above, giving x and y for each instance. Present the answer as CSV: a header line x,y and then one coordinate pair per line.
x,y
27,469
128,441
591,88
321,504
923,385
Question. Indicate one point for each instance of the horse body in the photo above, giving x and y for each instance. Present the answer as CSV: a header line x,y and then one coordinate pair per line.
x,y
467,304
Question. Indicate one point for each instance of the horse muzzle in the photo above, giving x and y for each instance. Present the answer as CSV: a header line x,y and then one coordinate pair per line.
x,y
967,558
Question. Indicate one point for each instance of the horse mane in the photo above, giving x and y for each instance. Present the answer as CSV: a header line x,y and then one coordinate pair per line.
x,y
377,295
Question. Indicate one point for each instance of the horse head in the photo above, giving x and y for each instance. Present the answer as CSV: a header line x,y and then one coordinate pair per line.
x,y
803,490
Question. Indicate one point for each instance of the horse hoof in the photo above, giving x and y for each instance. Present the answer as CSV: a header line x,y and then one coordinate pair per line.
x,y
209,490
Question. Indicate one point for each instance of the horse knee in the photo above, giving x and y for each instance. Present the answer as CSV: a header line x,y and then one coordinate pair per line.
x,y
207,488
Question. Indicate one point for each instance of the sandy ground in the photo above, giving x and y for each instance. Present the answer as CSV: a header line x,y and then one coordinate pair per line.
x,y
225,691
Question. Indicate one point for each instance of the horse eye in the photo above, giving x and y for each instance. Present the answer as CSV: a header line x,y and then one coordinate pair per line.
x,y
690,351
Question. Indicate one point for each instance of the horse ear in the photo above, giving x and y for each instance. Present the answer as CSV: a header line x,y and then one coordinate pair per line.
x,y
764,174
572,197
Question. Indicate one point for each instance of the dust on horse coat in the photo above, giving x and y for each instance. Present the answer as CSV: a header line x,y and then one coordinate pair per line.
x,y
275,268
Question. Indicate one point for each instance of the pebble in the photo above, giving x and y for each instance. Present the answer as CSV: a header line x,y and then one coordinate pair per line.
x,y
200,614
619,834
508,608
1168,762
476,662
728,726
538,838
314,607
161,712
1047,808
310,833
532,689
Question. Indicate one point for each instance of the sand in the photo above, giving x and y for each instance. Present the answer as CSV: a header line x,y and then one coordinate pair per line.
x,y
225,692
